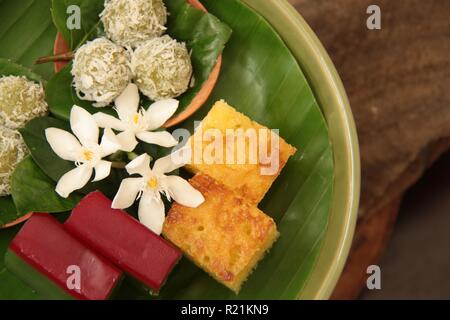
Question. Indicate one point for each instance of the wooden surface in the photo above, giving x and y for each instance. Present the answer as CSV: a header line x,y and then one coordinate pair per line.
x,y
415,264
369,241
398,81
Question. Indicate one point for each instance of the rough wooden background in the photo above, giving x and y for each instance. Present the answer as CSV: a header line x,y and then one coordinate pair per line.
x,y
398,82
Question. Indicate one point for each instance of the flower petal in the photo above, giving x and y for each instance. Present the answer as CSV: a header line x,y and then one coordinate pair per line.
x,y
127,103
73,180
169,163
84,126
159,112
182,192
160,138
107,121
140,165
152,212
110,143
63,143
127,140
127,194
102,170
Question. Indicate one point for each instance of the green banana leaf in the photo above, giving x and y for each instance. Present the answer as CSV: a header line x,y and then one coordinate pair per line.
x,y
33,191
9,68
27,33
261,78
8,211
204,35
34,136
89,12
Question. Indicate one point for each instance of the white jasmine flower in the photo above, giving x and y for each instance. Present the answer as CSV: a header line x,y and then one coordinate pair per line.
x,y
83,149
148,189
139,123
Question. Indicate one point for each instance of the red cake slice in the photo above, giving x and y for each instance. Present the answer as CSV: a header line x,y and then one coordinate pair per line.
x,y
43,245
123,240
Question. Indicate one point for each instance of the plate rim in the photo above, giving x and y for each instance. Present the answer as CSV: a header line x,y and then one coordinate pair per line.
x,y
333,101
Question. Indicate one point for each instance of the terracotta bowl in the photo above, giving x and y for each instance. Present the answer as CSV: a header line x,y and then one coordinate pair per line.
x,y
16,222
60,47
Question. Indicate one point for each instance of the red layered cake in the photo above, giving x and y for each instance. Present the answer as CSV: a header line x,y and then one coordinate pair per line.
x,y
123,240
57,265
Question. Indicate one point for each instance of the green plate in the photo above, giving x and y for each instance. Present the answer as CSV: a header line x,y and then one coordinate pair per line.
x,y
294,88
332,98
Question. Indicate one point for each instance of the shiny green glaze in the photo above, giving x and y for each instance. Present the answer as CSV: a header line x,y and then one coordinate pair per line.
x,y
44,286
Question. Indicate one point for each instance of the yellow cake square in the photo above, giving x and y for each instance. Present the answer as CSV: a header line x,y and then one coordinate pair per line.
x,y
238,152
226,236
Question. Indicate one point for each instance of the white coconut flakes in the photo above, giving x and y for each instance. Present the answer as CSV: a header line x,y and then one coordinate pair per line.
x,y
131,23
162,68
101,71
12,152
20,101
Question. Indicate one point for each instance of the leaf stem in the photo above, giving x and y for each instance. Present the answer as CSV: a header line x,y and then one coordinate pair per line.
x,y
59,57
118,165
